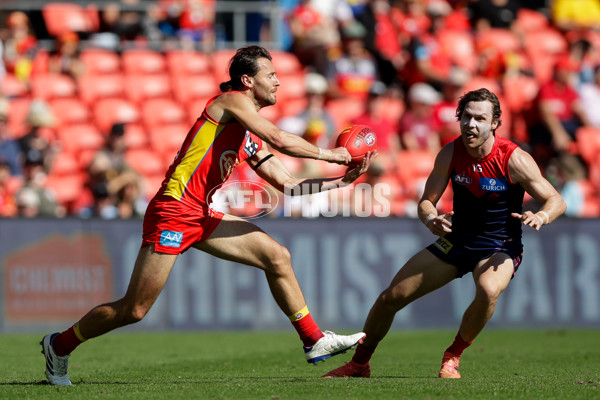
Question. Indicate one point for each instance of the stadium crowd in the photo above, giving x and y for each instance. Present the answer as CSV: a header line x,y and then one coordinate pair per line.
x,y
89,124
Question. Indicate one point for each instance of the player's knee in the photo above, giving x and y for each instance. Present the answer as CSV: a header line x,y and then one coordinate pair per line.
x,y
392,300
489,293
280,260
134,314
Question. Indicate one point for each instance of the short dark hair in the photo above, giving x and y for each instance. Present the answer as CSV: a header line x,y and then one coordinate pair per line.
x,y
243,63
480,95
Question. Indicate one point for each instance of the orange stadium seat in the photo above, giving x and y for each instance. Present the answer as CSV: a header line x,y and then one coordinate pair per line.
x,y
49,86
549,41
139,61
67,188
292,107
136,136
291,87
145,162
17,113
80,137
220,63
167,139
520,91
185,62
413,168
477,82
62,18
588,144
460,47
161,112
285,63
344,110
95,87
531,20
69,111
100,61
189,87
142,87
107,112
195,108
64,163
503,40
11,86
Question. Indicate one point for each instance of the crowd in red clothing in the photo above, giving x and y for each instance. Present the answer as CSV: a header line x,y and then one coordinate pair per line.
x,y
88,127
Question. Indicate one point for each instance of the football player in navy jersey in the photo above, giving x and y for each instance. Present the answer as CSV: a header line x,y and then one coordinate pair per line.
x,y
481,235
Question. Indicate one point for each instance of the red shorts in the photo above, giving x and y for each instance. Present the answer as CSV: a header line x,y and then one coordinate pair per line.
x,y
174,227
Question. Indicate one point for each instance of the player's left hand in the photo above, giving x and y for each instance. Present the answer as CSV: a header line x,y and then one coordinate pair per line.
x,y
352,173
529,218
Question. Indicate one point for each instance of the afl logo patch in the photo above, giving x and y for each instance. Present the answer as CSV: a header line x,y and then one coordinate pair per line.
x,y
462,179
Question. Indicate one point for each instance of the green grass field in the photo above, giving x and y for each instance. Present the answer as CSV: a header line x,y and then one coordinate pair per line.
x,y
249,365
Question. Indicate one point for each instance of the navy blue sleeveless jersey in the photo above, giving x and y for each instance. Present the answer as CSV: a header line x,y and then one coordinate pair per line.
x,y
484,195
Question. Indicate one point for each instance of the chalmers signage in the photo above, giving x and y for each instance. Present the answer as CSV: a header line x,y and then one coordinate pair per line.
x,y
56,278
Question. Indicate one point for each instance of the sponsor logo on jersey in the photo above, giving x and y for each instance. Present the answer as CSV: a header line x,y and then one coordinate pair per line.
x,y
444,245
493,184
171,239
462,179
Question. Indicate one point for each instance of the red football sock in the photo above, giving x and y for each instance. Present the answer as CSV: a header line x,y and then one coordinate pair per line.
x,y
363,353
306,327
458,346
66,342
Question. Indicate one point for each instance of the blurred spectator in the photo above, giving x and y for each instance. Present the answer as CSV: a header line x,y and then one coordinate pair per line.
x,y
19,45
445,110
590,98
65,58
411,19
375,116
2,66
8,206
575,14
486,14
382,39
354,70
10,152
559,114
111,181
318,125
428,60
312,36
197,22
33,199
39,141
418,126
121,20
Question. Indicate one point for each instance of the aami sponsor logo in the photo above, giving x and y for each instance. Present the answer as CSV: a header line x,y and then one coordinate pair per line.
x,y
56,279
462,179
171,238
493,184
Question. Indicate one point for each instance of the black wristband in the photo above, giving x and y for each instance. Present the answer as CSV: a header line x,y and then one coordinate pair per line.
x,y
258,164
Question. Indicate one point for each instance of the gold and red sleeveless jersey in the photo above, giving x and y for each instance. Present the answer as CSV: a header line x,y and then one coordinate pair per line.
x,y
208,155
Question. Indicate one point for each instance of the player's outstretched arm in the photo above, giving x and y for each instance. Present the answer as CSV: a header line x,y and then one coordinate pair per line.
x,y
273,171
524,171
243,110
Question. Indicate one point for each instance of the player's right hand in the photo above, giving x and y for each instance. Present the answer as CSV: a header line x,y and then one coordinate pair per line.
x,y
441,224
339,155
